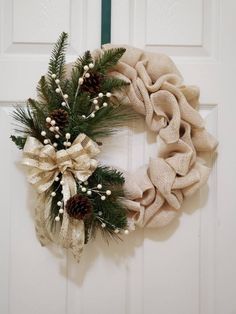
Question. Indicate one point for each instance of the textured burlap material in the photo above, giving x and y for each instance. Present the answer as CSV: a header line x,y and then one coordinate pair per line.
x,y
156,192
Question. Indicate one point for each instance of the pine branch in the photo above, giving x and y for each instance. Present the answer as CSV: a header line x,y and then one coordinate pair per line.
x,y
19,141
57,60
112,83
44,92
109,59
39,110
108,120
30,120
114,215
108,176
47,95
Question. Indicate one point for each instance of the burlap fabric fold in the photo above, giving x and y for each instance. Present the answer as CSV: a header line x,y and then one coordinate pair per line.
x,y
155,192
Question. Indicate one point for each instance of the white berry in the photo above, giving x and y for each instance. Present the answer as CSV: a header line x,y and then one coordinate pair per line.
x,y
86,183
53,122
48,119
59,203
55,145
46,142
105,104
57,128
65,96
126,232
99,213
61,211
95,101
103,197
57,218
54,76
92,115
68,144
91,65
57,81
108,192
63,104
62,182
108,94
86,68
87,75
67,136
65,143
89,192
53,194
100,95
117,230
83,116
57,179
43,133
81,80
58,90
99,186
57,136
103,225
83,189
52,129
97,107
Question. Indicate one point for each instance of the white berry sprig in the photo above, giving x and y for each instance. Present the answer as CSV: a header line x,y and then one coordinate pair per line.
x,y
59,91
85,74
52,128
97,190
98,104
105,223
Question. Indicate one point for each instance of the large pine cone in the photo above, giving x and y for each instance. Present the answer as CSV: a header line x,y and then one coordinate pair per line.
x,y
92,84
61,117
78,206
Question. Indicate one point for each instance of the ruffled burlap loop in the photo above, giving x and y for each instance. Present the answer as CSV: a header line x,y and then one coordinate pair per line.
x,y
155,193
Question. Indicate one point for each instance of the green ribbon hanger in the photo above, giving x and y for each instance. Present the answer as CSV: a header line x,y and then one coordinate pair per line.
x,y
106,22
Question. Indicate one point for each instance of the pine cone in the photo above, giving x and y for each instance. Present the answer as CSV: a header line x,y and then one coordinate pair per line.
x,y
78,206
61,117
92,84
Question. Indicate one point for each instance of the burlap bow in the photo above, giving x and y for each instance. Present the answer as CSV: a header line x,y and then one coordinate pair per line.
x,y
76,163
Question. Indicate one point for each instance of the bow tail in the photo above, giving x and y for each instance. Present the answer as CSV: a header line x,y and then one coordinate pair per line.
x,y
72,231
41,220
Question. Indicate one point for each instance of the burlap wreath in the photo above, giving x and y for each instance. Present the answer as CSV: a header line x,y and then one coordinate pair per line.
x,y
155,192
77,194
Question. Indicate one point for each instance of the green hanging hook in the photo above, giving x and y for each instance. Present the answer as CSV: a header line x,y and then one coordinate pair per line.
x,y
106,22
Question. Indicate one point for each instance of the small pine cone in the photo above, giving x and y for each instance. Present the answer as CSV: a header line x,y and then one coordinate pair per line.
x,y
61,117
92,84
78,206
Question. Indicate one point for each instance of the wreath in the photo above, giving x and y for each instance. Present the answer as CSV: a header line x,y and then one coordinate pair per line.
x,y
61,135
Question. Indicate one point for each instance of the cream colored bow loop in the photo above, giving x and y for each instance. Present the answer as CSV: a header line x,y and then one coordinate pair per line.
x,y
44,164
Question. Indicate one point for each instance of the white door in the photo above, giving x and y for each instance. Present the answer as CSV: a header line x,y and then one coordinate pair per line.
x,y
186,268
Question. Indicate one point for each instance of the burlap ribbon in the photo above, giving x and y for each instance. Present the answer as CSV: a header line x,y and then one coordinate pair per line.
x,y
44,164
156,192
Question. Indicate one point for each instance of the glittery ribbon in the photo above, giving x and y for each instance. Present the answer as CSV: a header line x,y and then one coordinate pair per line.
x,y
44,164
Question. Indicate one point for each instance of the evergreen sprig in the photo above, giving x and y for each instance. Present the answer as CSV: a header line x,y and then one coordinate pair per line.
x,y
57,60
19,141
109,59
107,175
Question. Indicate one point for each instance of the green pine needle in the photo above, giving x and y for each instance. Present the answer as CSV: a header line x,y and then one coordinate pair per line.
x,y
19,141
57,60
109,59
107,175
112,83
